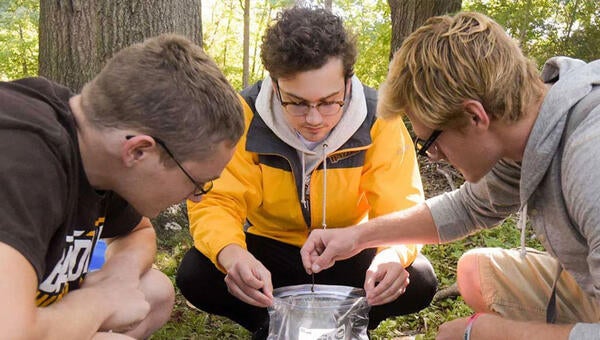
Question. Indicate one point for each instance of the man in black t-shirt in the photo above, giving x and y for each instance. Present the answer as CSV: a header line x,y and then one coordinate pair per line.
x,y
155,127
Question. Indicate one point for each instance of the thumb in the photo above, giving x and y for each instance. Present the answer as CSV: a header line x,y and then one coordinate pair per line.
x,y
323,261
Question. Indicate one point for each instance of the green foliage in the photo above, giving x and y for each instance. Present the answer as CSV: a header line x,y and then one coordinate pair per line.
x,y
18,38
547,28
223,28
374,36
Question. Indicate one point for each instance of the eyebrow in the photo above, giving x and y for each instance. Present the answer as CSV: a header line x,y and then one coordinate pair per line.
x,y
306,100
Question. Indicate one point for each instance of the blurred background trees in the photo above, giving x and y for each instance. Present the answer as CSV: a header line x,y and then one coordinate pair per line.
x,y
76,37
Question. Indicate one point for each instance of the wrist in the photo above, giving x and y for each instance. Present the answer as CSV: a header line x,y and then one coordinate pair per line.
x,y
363,236
470,324
229,255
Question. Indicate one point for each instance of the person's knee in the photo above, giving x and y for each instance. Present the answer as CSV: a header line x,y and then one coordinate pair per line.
x,y
201,283
160,293
467,277
422,275
189,276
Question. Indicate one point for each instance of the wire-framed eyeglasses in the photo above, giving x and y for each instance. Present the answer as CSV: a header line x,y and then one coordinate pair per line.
x,y
201,188
421,146
301,108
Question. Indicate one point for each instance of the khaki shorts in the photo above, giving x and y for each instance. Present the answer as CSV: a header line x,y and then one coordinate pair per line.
x,y
520,289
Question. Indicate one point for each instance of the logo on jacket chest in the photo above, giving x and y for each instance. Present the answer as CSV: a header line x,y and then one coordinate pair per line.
x,y
337,157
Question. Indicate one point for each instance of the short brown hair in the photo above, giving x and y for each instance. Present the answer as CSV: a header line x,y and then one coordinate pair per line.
x,y
452,59
169,88
303,39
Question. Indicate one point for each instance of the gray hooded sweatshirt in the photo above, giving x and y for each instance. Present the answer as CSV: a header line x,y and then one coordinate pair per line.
x,y
556,186
355,111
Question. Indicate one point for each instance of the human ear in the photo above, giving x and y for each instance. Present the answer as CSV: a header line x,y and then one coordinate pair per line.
x,y
477,114
135,148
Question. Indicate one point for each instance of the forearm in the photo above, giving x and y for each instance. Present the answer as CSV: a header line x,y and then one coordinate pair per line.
x,y
493,327
133,253
79,315
410,226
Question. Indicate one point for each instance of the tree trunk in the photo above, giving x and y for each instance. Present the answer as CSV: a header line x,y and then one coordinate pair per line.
x,y
408,15
78,36
264,16
246,45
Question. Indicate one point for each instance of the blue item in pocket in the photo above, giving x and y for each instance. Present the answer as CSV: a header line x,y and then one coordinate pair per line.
x,y
97,259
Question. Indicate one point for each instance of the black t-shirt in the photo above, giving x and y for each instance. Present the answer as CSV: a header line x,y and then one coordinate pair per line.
x,y
49,211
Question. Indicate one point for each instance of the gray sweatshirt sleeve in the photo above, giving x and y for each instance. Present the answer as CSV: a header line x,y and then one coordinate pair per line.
x,y
581,161
585,331
477,205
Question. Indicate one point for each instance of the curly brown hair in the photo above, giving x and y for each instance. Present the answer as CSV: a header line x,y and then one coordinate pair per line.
x,y
303,39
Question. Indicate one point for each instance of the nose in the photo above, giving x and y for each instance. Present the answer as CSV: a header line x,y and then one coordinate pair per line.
x,y
313,116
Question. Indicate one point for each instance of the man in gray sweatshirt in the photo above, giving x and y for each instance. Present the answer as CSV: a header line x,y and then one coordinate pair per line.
x,y
524,143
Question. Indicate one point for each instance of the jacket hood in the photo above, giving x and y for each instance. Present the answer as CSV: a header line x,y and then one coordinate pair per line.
x,y
571,80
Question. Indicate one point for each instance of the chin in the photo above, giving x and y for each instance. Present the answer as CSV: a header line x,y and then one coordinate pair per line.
x,y
149,212
472,178
314,138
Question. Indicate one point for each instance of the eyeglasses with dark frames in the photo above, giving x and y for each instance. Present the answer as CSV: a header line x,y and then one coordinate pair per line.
x,y
421,146
201,188
325,108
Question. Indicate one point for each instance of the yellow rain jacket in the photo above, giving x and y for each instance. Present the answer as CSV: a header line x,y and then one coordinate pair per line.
x,y
276,187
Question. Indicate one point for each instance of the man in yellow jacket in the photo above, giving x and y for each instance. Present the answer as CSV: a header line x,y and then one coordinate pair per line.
x,y
314,155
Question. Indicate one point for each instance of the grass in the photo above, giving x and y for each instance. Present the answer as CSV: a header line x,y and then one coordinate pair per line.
x,y
186,323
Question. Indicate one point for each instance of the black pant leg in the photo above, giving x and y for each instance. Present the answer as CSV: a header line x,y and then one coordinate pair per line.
x,y
203,285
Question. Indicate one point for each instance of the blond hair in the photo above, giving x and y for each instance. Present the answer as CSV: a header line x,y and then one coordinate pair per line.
x,y
452,59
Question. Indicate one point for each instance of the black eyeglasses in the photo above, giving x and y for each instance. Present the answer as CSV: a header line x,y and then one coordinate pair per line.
x,y
421,146
328,108
201,188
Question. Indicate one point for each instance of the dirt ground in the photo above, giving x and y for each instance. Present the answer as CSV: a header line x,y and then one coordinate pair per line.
x,y
438,177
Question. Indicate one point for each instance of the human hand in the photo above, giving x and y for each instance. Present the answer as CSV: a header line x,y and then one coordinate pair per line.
x,y
323,247
386,278
127,305
247,278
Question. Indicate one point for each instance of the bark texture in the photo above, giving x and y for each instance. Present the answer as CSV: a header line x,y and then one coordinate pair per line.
x,y
78,36
408,15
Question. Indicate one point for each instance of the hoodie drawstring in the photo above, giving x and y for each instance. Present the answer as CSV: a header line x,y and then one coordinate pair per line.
x,y
324,224
522,223
303,198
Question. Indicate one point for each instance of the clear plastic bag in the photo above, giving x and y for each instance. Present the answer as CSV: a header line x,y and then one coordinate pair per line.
x,y
327,313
